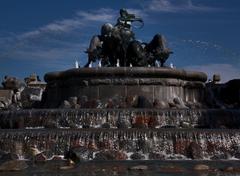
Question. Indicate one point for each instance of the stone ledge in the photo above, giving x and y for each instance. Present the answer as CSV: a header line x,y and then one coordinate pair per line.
x,y
126,72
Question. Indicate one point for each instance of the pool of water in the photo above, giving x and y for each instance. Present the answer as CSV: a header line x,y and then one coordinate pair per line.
x,y
129,168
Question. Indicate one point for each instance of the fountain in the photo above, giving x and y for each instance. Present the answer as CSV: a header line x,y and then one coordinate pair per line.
x,y
118,112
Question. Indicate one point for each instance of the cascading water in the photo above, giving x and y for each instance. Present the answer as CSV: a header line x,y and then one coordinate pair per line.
x,y
120,118
168,142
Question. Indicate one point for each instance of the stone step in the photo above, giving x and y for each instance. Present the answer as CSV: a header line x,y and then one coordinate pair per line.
x,y
123,144
121,118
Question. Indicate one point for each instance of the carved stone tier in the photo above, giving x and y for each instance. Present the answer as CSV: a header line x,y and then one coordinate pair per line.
x,y
102,84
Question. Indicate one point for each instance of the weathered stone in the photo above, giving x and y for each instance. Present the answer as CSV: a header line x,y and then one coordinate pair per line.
x,y
111,155
13,83
123,122
8,156
2,105
137,156
100,81
180,146
143,145
216,78
179,103
235,148
82,100
40,157
78,154
30,95
86,126
176,157
68,167
211,147
156,156
142,102
171,104
123,125
221,156
139,167
13,165
57,158
194,151
236,169
160,104
109,104
184,124
140,122
99,104
76,106
153,122
90,104
31,152
51,123
106,125
168,126
64,122
6,97
237,155
92,145
177,100
201,167
171,169
85,83
65,105
229,169
73,101
15,106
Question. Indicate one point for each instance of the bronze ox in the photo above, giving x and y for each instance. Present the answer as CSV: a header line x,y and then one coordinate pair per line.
x,y
110,49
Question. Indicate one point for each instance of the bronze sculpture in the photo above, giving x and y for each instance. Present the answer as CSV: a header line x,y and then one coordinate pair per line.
x,y
117,45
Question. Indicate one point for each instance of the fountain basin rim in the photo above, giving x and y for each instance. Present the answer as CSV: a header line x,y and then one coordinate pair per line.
x,y
126,72
104,130
95,110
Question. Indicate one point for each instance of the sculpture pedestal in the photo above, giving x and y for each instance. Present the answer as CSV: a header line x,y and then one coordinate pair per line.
x,y
122,84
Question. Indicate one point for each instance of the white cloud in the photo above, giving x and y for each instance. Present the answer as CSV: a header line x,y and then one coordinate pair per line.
x,y
226,71
53,32
82,19
55,39
175,6
100,15
138,12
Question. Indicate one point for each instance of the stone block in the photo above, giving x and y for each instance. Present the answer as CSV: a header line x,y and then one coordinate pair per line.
x,y
6,96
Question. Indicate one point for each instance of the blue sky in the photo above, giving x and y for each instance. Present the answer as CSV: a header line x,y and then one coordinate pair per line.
x,y
49,35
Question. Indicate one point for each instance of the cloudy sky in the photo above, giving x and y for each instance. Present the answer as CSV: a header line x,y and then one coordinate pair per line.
x,y
49,35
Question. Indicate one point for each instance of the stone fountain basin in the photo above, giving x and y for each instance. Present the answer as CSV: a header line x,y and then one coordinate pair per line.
x,y
106,83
